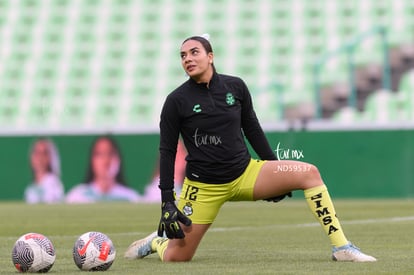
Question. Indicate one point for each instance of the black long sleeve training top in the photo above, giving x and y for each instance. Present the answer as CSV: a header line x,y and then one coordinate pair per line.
x,y
211,120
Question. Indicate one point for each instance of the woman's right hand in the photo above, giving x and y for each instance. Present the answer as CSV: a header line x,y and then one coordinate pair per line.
x,y
169,222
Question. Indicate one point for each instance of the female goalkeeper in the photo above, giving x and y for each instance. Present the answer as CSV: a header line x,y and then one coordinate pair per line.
x,y
213,112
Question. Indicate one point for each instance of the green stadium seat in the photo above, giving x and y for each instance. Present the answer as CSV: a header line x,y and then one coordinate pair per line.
x,y
4,8
10,91
406,94
407,82
405,105
107,113
43,94
53,36
347,115
141,113
9,116
76,92
384,106
12,71
38,113
369,51
336,69
73,114
11,98
268,102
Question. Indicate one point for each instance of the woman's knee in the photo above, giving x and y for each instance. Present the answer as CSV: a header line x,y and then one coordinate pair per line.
x,y
313,177
183,250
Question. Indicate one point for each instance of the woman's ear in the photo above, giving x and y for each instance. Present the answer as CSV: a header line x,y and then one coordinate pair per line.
x,y
210,57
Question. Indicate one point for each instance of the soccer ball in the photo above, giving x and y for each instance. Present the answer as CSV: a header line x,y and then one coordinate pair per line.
x,y
33,252
94,251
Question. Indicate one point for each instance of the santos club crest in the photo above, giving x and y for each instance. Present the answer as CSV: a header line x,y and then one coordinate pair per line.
x,y
230,99
188,209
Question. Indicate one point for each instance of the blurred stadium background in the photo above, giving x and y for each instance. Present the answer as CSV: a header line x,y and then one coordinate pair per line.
x,y
342,70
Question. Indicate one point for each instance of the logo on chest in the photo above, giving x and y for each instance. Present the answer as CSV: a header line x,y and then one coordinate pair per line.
x,y
230,99
197,108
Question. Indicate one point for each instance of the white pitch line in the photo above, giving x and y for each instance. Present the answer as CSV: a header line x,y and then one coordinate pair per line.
x,y
242,228
314,224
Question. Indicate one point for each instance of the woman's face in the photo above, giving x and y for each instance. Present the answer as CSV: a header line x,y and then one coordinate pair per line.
x,y
40,157
105,160
197,63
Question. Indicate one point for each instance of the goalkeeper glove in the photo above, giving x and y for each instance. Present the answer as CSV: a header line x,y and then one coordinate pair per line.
x,y
279,198
170,218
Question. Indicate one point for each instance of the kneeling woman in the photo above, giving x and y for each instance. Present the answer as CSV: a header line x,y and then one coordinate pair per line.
x,y
213,112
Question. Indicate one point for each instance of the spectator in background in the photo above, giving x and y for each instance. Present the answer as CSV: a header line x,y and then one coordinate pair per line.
x,y
46,186
152,191
104,178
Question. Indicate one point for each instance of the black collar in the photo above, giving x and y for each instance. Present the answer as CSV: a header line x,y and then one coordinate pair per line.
x,y
213,82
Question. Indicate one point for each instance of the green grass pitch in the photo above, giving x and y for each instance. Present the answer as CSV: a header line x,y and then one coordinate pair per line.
x,y
247,238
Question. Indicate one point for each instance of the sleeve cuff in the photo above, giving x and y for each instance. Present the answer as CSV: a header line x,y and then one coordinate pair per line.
x,y
167,195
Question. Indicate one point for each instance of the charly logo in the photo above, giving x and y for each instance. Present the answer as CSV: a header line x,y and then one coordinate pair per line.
x,y
230,99
197,108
